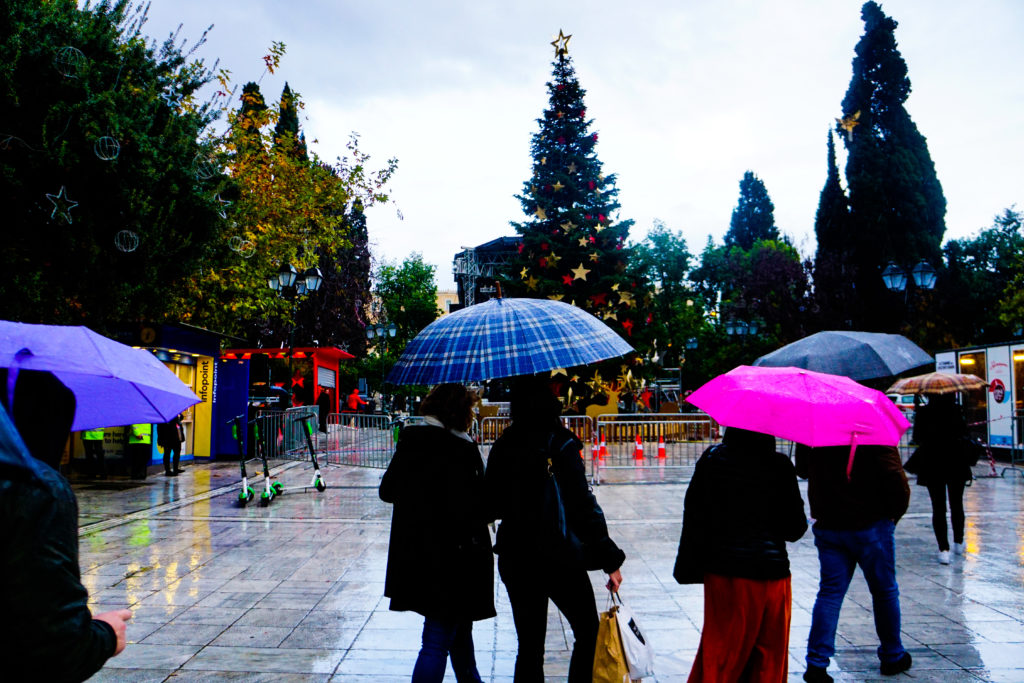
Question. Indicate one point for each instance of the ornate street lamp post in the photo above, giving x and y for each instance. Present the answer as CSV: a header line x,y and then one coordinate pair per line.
x,y
292,288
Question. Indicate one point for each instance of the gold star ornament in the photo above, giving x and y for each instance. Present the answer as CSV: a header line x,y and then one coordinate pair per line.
x,y
540,214
579,273
561,44
557,186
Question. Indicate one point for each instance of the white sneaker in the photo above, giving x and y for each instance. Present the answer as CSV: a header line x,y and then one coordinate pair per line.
x,y
958,548
943,557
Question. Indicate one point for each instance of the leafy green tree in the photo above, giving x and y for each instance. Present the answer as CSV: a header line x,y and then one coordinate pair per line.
x,y
897,208
832,281
574,249
980,286
109,195
753,218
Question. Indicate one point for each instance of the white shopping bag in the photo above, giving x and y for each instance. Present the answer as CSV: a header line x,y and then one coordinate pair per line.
x,y
639,654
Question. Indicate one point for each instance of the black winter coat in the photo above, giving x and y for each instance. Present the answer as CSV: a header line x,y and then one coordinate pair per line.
x,y
440,563
516,480
939,430
741,507
50,634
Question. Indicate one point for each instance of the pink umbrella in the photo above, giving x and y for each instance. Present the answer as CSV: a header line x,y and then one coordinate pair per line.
x,y
808,407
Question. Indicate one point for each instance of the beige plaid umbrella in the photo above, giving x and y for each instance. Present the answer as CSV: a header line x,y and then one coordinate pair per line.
x,y
937,383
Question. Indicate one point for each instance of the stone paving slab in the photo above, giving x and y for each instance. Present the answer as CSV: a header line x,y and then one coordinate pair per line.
x,y
293,592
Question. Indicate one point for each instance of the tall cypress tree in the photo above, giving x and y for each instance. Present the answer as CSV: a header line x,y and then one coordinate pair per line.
x,y
574,249
896,203
287,132
753,218
832,279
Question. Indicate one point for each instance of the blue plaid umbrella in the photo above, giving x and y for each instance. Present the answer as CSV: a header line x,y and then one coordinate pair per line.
x,y
505,338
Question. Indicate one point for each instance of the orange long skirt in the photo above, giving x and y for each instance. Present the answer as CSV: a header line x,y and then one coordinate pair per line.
x,y
746,631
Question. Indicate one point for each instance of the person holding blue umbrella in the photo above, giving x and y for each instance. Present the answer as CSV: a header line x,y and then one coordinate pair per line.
x,y
53,635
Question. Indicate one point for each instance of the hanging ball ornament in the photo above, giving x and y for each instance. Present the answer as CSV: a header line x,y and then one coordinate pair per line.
x,y
69,61
247,249
106,148
126,241
235,243
204,167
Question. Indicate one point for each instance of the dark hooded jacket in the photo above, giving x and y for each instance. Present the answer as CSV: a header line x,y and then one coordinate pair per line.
x,y
939,431
50,634
742,506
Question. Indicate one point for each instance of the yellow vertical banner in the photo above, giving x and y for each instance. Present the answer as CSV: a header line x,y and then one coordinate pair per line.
x,y
206,383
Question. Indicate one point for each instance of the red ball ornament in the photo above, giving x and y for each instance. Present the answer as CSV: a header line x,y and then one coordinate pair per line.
x,y
561,139
544,245
594,136
560,87
583,112
591,184
592,240
601,218
589,216
521,248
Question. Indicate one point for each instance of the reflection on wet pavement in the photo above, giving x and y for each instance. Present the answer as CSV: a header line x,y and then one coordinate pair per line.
x,y
293,591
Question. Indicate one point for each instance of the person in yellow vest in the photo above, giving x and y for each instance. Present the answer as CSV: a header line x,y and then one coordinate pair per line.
x,y
92,441
140,449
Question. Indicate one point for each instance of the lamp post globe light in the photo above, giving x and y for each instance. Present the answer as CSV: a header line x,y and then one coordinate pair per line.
x,y
382,332
288,285
895,278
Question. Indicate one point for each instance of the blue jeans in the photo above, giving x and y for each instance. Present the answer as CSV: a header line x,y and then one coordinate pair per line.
x,y
442,639
840,552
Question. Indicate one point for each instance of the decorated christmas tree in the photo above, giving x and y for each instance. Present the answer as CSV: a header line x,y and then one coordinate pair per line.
x,y
574,246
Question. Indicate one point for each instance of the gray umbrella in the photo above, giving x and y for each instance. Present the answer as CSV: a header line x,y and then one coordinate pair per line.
x,y
857,355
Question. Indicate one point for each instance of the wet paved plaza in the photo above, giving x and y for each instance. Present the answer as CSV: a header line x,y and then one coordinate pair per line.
x,y
293,591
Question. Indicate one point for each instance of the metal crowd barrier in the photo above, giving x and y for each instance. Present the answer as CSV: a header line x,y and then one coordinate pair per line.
x,y
281,433
360,439
648,444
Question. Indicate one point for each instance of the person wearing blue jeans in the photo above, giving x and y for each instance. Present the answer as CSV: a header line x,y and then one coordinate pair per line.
x,y
855,501
441,640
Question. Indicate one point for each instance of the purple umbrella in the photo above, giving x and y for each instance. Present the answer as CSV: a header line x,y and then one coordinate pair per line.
x,y
113,384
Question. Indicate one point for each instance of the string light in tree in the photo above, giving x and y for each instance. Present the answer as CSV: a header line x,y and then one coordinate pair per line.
x,y
61,204
126,241
106,148
69,61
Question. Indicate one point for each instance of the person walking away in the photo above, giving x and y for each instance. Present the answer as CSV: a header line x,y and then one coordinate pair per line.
x,y
92,442
535,564
169,436
140,449
323,408
51,634
741,507
440,563
855,520
939,432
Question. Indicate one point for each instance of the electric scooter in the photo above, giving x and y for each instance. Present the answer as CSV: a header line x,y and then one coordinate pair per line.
x,y
270,489
318,480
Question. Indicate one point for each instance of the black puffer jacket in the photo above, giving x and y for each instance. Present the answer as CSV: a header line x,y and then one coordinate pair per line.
x,y
741,507
516,472
440,562
50,634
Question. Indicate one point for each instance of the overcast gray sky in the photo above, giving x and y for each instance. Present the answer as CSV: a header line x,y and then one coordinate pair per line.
x,y
686,96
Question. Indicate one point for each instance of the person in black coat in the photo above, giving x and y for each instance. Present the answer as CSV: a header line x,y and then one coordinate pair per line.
x,y
440,563
169,438
535,564
50,632
742,506
939,431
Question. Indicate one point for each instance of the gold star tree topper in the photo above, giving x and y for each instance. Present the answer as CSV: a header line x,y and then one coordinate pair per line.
x,y
561,44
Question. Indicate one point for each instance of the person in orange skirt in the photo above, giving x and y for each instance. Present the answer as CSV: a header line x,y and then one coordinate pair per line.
x,y
741,507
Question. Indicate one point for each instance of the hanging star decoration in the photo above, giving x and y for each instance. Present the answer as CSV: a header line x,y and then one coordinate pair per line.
x,y
532,283
611,315
567,279
595,256
61,204
599,299
543,161
568,226
580,273
848,123
557,186
559,114
598,228
583,241
523,273
553,260
615,287
556,297
222,205
540,214
561,44
559,371
627,325
626,298
572,167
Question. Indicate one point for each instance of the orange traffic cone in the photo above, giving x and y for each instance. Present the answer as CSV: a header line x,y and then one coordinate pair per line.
x,y
638,450
594,452
661,447
602,453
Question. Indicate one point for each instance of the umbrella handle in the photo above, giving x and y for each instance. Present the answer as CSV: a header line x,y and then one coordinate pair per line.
x,y
853,450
